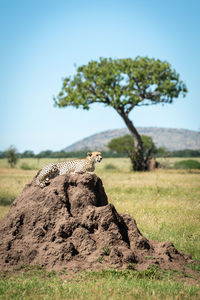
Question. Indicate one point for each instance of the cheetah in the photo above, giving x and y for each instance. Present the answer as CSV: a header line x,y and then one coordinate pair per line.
x,y
72,166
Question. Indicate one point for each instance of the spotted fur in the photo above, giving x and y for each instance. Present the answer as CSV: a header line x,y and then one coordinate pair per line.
x,y
72,166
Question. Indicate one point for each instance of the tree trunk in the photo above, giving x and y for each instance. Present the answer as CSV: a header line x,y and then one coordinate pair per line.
x,y
138,161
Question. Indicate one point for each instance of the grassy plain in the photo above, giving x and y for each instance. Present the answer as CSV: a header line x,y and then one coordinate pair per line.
x,y
166,206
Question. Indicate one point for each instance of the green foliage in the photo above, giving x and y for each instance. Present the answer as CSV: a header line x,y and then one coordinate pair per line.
x,y
105,251
149,148
122,144
27,154
125,144
63,154
161,152
184,153
12,156
121,83
187,164
46,153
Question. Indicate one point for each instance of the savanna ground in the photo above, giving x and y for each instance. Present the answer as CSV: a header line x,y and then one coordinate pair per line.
x,y
166,206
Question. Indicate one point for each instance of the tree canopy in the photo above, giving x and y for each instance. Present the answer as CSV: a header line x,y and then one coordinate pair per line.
x,y
122,84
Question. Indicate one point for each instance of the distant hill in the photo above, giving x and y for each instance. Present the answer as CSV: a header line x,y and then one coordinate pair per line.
x,y
171,139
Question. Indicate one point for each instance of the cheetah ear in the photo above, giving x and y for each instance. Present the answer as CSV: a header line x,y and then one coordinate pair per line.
x,y
89,154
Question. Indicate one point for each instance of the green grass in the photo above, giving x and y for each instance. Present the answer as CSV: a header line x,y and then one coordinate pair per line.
x,y
36,283
11,183
165,204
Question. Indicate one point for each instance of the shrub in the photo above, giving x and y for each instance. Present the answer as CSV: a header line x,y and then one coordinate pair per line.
x,y
110,167
6,198
187,164
25,166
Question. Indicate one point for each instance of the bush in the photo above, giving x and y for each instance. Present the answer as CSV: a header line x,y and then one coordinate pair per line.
x,y
12,156
187,164
25,166
110,167
6,198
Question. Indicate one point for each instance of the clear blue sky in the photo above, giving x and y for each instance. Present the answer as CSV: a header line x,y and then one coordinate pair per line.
x,y
42,39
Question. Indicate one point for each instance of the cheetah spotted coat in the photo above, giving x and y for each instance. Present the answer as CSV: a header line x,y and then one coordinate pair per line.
x,y
72,166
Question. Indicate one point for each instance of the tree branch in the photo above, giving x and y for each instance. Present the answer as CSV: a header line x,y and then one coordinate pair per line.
x,y
127,111
92,90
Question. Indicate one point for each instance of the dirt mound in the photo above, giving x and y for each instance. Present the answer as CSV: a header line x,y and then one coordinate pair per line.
x,y
70,224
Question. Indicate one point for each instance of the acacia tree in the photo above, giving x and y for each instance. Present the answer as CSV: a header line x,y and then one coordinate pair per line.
x,y
122,84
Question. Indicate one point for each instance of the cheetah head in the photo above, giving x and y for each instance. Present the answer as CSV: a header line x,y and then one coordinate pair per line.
x,y
94,156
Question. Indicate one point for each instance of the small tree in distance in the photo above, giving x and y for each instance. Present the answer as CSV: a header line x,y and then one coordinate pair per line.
x,y
11,154
125,145
123,84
